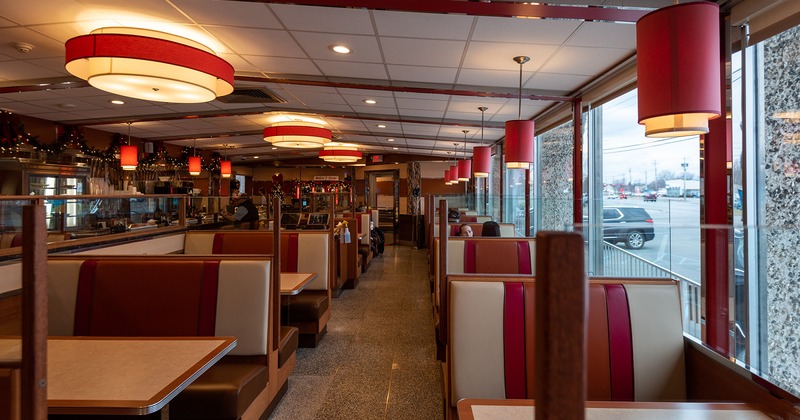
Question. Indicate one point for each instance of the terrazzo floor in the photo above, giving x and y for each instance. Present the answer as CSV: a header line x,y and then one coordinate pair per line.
x,y
377,360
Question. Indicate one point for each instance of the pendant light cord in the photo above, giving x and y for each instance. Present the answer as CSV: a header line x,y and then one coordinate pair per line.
x,y
521,60
482,109
465,142
129,133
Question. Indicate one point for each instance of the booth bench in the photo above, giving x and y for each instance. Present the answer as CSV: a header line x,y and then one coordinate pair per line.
x,y
173,295
301,251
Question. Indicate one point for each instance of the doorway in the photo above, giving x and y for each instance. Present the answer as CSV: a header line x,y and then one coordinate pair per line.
x,y
383,194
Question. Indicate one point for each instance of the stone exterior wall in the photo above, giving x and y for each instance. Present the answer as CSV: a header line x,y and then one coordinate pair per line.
x,y
555,202
782,194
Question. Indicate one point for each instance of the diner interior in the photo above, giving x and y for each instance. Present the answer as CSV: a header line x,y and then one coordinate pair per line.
x,y
360,209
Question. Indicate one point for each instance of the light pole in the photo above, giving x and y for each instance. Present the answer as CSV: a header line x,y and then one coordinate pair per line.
x,y
684,165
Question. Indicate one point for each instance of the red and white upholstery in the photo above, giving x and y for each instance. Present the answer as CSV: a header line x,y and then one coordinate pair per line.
x,y
635,339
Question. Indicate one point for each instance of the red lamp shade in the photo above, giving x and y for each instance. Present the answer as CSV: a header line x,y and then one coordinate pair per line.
x,y
481,161
447,177
454,174
297,134
519,144
225,169
464,169
194,165
149,65
678,59
340,152
128,157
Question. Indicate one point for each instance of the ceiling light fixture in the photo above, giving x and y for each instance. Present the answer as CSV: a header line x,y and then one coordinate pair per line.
x,y
481,155
370,101
678,69
195,162
340,152
150,65
117,102
519,132
225,165
454,168
381,126
128,155
297,134
395,148
341,49
464,165
389,139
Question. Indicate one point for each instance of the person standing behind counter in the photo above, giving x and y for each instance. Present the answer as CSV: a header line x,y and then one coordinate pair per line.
x,y
246,213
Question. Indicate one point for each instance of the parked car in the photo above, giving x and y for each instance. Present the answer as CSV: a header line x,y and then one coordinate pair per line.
x,y
651,197
630,225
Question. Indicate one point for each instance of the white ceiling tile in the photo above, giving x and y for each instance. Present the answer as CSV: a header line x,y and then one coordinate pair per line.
x,y
422,74
435,53
564,83
313,98
353,21
499,78
42,11
420,129
500,56
24,70
533,31
366,93
421,113
344,69
604,34
383,102
239,64
584,60
256,15
423,25
364,49
184,108
281,65
424,104
43,46
371,110
248,41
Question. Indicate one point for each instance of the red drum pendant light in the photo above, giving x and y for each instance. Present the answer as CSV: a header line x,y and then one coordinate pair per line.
x,y
447,177
194,161
128,155
464,165
519,133
678,60
454,168
481,155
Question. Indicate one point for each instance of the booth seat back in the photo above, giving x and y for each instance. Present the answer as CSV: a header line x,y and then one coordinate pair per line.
x,y
162,296
475,219
634,345
362,228
301,252
506,229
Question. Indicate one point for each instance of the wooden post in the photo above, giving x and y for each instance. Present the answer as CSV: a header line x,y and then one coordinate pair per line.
x,y
34,313
276,272
561,289
444,230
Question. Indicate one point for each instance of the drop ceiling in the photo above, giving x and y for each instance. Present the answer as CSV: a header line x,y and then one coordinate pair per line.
x,y
428,66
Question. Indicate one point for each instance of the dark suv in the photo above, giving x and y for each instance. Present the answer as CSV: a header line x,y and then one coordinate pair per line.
x,y
631,225
651,197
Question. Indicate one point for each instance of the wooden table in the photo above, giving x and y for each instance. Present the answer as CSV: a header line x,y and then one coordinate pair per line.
x,y
293,283
484,409
121,376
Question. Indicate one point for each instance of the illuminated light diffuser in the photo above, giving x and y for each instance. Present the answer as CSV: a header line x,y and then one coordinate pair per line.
x,y
340,152
454,174
678,69
297,134
150,65
447,177
128,157
194,165
225,169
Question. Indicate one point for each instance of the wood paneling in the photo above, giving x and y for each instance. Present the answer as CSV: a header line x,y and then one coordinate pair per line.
x,y
11,313
436,186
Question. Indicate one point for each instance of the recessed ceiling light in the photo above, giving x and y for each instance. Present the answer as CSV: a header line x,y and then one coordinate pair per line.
x,y
255,157
370,101
274,148
394,148
117,102
389,139
381,126
341,49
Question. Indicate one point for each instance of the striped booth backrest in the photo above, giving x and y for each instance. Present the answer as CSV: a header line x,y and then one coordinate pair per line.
x,y
301,252
162,296
635,339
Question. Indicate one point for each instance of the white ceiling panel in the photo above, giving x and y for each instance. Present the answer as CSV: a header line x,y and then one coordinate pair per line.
x,y
435,53
524,31
422,25
422,74
324,19
423,55
364,49
212,12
